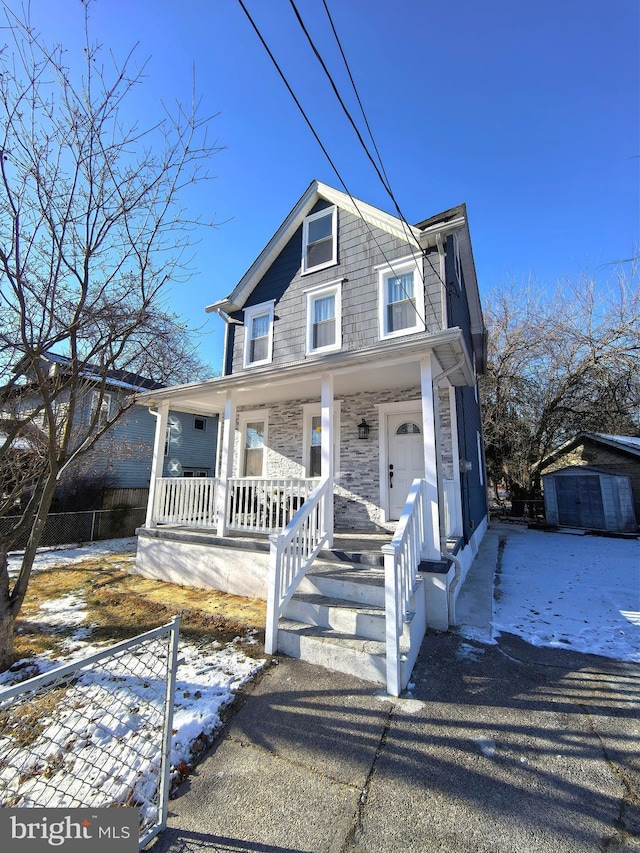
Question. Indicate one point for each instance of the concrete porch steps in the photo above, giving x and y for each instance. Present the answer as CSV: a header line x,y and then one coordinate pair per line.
x,y
336,618
335,650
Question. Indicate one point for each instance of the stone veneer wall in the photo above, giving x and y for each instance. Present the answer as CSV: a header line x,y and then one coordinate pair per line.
x,y
357,487
446,437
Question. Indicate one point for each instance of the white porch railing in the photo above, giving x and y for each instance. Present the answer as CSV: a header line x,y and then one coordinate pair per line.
x,y
401,560
261,505
292,552
185,500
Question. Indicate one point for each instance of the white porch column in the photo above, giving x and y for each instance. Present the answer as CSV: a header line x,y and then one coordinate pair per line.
x,y
429,412
327,452
226,460
162,418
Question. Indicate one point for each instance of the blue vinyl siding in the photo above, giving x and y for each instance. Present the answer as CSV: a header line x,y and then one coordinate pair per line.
x,y
188,448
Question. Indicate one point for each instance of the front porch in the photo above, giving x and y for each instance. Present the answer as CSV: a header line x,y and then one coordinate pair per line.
x,y
301,484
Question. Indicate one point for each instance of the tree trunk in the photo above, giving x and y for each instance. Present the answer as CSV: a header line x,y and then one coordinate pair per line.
x,y
7,655
6,619
11,599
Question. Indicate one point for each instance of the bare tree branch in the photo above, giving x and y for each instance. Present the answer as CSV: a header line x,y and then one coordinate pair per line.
x,y
92,229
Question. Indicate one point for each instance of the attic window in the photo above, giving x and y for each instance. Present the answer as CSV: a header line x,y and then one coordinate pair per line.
x,y
199,424
319,240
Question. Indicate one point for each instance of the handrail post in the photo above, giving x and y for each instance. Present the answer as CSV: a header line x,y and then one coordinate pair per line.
x,y
394,676
273,593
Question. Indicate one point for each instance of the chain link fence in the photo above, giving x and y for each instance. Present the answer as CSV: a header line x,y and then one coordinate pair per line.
x,y
64,528
94,733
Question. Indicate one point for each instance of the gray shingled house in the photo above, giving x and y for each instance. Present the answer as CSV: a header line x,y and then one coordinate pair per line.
x,y
350,488
118,467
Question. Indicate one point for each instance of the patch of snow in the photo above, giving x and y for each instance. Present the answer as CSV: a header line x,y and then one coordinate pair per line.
x,y
465,651
573,593
208,676
487,746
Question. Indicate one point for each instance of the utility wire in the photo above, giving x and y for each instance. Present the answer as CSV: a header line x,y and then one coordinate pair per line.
x,y
355,90
328,156
381,171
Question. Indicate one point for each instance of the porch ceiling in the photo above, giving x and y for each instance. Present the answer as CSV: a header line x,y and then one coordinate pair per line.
x,y
393,366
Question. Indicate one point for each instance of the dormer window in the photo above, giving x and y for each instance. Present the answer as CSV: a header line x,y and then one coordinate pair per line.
x,y
320,240
258,336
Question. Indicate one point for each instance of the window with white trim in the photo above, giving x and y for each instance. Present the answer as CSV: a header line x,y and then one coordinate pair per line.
x,y
401,298
312,438
324,318
253,433
320,240
315,449
104,406
258,334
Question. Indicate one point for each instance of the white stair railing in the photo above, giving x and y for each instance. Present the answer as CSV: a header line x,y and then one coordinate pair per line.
x,y
265,505
185,500
402,557
292,552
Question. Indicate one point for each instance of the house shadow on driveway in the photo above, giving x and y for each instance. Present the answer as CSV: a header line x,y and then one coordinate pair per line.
x,y
498,748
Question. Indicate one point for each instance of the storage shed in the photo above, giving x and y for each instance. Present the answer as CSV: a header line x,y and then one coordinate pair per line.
x,y
591,498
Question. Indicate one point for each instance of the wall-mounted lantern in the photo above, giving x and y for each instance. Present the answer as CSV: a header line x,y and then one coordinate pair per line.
x,y
363,429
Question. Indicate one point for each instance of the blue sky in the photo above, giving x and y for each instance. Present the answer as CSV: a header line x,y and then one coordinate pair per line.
x,y
527,111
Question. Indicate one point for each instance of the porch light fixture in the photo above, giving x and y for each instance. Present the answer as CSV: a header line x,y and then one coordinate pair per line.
x,y
363,429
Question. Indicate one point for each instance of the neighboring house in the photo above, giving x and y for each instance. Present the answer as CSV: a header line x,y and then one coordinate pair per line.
x,y
600,485
119,465
348,405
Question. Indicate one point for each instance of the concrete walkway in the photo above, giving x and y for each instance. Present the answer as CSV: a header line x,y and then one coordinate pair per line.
x,y
498,748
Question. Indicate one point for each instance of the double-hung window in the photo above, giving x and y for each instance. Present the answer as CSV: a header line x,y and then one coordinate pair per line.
x,y
253,431
324,320
103,406
320,240
258,341
401,298
312,438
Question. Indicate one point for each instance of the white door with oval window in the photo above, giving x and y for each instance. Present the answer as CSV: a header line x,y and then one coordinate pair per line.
x,y
405,458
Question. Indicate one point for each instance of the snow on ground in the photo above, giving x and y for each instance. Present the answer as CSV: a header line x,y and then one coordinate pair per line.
x,y
574,592
578,592
71,554
208,676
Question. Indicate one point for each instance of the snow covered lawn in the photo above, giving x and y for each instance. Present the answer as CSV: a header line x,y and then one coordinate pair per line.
x,y
578,592
208,677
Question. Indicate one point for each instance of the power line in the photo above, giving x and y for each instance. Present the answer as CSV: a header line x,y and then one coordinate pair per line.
x,y
333,165
384,180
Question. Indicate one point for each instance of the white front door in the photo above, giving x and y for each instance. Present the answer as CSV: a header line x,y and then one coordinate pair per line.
x,y
406,458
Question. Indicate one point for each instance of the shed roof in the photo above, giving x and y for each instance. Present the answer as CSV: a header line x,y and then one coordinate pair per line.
x,y
628,444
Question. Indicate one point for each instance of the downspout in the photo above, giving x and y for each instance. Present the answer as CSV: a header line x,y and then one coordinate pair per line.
x,y
444,551
228,321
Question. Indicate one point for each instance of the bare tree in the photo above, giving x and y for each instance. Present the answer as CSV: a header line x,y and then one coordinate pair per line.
x,y
92,230
560,361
